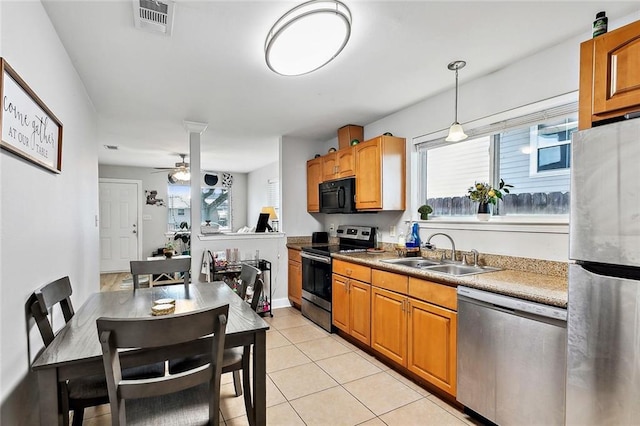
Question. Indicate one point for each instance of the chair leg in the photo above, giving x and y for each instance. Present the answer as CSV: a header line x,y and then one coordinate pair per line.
x,y
237,384
248,401
78,415
64,403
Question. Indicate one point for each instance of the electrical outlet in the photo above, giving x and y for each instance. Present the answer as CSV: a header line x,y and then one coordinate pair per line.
x,y
392,231
332,227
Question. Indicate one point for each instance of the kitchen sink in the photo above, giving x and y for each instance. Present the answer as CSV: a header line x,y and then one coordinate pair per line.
x,y
413,263
459,270
441,267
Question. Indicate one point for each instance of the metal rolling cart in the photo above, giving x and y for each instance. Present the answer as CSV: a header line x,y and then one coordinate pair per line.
x,y
229,275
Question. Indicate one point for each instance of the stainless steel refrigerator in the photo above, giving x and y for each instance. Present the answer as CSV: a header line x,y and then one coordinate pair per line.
x,y
603,358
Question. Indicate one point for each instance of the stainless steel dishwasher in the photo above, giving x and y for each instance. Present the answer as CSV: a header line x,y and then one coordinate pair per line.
x,y
511,358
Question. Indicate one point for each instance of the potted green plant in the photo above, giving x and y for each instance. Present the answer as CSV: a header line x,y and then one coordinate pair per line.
x,y
168,250
486,194
425,210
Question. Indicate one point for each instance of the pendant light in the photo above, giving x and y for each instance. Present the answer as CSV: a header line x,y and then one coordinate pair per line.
x,y
456,134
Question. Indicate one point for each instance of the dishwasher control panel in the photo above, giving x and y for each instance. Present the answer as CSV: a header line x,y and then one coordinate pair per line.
x,y
513,303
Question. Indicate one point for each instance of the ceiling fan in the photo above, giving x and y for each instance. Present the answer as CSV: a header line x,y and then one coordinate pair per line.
x,y
179,173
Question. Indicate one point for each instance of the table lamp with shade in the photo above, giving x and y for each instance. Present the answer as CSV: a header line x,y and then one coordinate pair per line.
x,y
273,217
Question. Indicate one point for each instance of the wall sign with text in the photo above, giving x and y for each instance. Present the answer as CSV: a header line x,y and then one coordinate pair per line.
x,y
29,128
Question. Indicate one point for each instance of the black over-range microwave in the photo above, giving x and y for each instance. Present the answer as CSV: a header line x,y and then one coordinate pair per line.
x,y
337,196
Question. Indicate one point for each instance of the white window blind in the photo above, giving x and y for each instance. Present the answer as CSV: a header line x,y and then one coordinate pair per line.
x,y
511,123
273,194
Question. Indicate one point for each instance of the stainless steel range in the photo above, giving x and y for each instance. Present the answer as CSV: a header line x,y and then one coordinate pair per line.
x,y
316,270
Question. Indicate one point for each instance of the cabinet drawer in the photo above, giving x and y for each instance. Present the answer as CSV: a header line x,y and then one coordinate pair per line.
x,y
438,294
352,270
390,281
295,255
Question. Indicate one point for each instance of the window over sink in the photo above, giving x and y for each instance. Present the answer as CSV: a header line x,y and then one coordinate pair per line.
x,y
531,152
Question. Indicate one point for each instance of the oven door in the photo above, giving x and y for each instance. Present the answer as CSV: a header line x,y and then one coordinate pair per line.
x,y
316,279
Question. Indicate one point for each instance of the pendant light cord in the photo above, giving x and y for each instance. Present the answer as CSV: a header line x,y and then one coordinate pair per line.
x,y
456,103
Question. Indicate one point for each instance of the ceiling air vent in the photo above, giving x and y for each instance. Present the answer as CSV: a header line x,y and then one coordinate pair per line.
x,y
154,16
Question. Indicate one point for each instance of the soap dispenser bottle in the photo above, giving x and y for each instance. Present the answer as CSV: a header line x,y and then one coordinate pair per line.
x,y
416,234
411,240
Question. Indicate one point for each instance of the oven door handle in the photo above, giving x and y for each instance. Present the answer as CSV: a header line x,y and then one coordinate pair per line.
x,y
322,259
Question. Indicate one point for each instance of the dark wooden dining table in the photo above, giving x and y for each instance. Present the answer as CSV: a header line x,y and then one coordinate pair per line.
x,y
76,352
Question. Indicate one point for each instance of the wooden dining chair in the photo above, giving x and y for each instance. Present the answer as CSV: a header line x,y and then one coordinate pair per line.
x,y
75,394
191,397
159,267
237,359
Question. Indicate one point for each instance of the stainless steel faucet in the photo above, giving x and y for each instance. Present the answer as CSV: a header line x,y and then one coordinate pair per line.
x,y
475,254
453,245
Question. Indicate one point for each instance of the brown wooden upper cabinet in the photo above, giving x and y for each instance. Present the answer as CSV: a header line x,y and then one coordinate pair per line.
x,y
314,177
610,75
339,164
380,174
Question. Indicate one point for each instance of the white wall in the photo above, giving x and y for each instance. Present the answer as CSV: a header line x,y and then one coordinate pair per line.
x,y
257,188
550,73
294,154
48,226
239,201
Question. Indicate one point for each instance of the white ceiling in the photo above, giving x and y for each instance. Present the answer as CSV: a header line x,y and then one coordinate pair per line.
x,y
212,69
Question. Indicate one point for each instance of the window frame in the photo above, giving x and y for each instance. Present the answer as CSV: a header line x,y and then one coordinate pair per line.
x,y
493,125
534,159
229,190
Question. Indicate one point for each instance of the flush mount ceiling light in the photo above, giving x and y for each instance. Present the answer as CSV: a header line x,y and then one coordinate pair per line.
x,y
456,134
307,37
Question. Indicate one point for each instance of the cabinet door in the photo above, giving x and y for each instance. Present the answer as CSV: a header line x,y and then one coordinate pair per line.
x,y
432,344
616,80
360,311
369,175
314,177
340,302
346,162
389,324
295,282
329,166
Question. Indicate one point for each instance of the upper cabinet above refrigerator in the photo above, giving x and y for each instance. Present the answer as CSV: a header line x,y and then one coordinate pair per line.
x,y
609,77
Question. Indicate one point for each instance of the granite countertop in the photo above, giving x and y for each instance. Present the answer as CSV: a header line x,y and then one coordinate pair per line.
x,y
532,286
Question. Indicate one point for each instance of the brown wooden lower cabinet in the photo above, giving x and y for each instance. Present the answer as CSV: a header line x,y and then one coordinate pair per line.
x,y
431,342
417,335
351,307
295,277
389,324
410,321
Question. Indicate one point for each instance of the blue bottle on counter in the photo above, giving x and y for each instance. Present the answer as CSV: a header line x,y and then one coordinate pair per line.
x,y
416,234
413,237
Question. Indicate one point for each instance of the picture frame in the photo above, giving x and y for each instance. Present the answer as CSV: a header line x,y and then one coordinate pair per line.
x,y
30,130
263,223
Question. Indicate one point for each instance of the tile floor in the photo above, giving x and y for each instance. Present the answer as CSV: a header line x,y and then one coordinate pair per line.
x,y
317,378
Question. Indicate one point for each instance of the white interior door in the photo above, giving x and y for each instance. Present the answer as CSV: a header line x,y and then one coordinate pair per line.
x,y
119,224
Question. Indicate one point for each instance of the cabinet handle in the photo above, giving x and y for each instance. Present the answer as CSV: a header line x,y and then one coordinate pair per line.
x,y
348,271
408,307
348,285
403,306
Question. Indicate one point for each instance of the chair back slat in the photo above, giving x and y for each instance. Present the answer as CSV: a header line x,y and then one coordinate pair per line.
x,y
45,298
257,290
248,276
161,266
156,332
